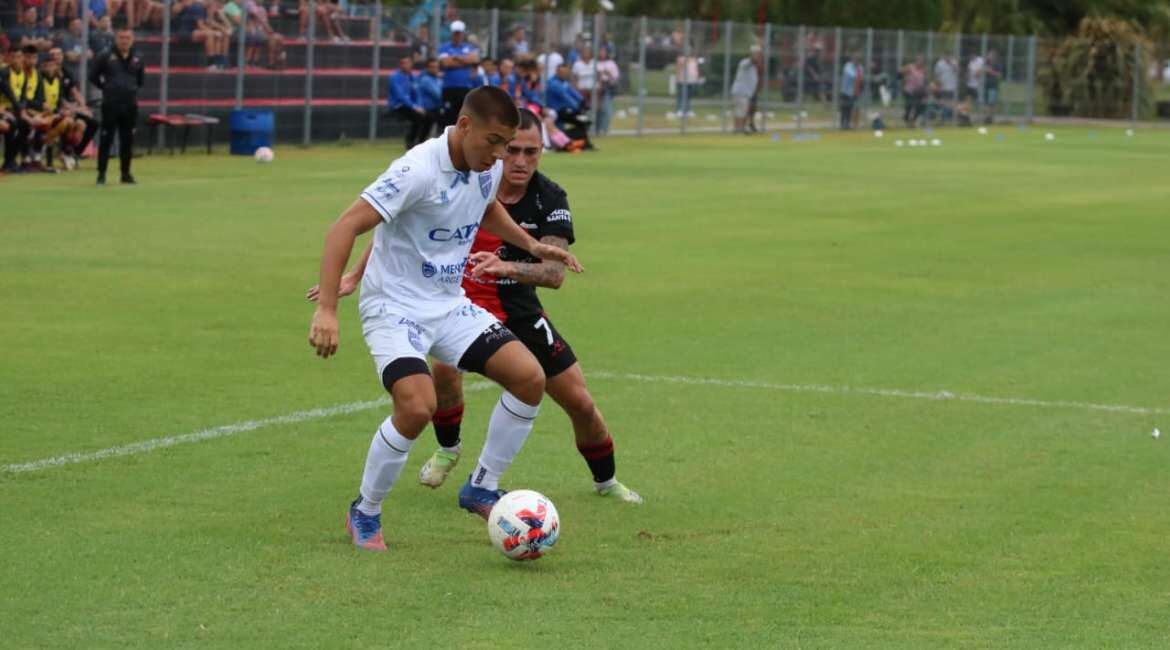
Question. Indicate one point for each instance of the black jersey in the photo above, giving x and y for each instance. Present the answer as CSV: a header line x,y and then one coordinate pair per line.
x,y
541,212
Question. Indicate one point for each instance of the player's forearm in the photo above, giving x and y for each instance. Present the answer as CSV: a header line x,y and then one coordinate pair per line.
x,y
338,244
359,269
548,274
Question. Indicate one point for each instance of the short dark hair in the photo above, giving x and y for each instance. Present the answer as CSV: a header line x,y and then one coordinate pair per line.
x,y
487,59
29,49
528,120
491,103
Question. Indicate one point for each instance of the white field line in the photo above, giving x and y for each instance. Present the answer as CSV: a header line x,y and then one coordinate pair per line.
x,y
938,396
206,434
342,409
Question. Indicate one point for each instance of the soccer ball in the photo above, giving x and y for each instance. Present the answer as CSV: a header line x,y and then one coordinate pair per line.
x,y
264,155
523,525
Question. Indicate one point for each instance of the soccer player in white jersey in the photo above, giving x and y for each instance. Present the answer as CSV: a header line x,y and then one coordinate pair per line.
x,y
425,210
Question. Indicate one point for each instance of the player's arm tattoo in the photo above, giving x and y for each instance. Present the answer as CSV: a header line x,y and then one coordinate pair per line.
x,y
546,273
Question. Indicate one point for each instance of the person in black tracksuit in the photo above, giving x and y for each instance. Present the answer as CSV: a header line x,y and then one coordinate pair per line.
x,y
119,74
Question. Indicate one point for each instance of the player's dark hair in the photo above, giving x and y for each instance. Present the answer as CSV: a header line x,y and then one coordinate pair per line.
x,y
29,49
529,120
491,103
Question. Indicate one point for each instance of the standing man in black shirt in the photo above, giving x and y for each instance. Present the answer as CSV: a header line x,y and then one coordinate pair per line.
x,y
119,74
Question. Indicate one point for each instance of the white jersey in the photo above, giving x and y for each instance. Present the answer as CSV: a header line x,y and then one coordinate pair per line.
x,y
430,214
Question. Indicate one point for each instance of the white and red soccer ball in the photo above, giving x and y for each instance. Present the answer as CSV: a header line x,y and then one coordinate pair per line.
x,y
264,155
524,525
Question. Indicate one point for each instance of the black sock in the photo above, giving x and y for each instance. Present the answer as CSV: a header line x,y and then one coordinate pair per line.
x,y
599,457
447,422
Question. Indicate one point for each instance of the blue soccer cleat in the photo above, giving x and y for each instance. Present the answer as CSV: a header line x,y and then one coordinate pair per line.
x,y
478,501
366,530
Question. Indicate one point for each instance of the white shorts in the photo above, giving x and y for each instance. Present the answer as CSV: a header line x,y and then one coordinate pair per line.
x,y
393,336
740,105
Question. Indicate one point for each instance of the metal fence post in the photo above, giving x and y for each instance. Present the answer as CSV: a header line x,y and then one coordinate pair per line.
x,y
982,90
1138,71
684,85
767,76
241,60
436,25
311,35
377,72
165,74
1007,71
958,95
867,76
726,74
641,75
494,45
83,67
548,21
1031,112
594,93
836,100
929,57
800,54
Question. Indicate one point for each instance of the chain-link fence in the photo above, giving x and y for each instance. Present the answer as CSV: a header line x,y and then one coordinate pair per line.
x,y
320,69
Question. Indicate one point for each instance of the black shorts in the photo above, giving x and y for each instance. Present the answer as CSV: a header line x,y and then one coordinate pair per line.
x,y
545,343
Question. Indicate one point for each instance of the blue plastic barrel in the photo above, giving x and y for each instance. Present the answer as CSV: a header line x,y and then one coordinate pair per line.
x,y
250,130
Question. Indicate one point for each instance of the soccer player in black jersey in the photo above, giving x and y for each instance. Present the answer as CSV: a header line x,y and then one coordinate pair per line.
x,y
506,287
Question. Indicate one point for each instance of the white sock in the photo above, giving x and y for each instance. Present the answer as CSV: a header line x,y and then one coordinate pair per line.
x,y
454,450
507,430
384,462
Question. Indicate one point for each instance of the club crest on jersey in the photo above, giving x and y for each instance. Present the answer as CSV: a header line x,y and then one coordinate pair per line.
x,y
485,185
429,270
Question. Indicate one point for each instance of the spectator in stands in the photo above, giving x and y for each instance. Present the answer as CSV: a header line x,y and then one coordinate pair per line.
x,y
60,11
430,95
574,54
851,83
29,32
72,46
507,79
146,12
528,79
975,68
488,73
262,35
563,98
459,60
217,19
993,73
517,45
549,62
329,14
27,90
744,87
946,75
192,25
687,81
914,90
101,37
421,45
608,76
119,74
584,74
404,102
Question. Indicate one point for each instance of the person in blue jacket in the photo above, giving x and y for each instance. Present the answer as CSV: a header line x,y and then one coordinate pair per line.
x,y
404,103
430,95
562,97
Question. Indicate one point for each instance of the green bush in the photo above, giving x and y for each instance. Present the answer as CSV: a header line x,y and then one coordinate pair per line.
x,y
1091,73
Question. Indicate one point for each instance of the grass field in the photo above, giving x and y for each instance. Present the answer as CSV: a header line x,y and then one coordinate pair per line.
x,y
768,327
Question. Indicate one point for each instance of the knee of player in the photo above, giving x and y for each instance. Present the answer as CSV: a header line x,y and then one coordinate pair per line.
x,y
579,404
416,413
529,387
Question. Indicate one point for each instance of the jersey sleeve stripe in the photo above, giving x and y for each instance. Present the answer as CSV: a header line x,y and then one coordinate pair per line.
x,y
369,198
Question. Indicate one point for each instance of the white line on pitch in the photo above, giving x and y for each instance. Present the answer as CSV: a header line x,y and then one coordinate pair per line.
x,y
206,434
316,414
941,395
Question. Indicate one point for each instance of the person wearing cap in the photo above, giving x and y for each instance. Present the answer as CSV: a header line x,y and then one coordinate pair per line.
x,y
460,63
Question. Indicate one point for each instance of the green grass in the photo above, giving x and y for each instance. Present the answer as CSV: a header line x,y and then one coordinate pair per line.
x,y
774,518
